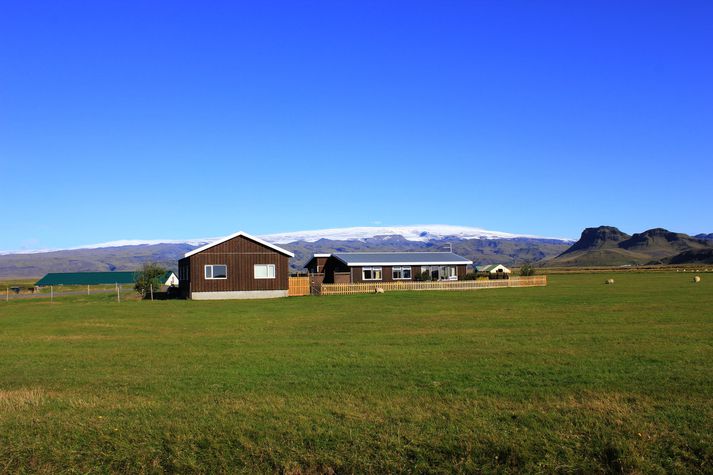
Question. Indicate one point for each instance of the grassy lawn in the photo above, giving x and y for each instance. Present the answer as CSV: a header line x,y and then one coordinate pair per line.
x,y
575,377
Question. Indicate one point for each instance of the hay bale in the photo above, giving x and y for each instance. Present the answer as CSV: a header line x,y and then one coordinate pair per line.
x,y
609,281
696,279
379,290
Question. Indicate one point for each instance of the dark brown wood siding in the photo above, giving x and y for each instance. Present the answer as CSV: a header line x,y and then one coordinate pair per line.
x,y
184,272
387,273
316,265
332,265
240,256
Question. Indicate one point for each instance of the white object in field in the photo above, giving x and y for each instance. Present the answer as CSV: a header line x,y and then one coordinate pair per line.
x,y
609,281
696,279
379,290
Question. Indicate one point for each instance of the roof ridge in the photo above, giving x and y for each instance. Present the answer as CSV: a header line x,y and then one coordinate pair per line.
x,y
394,252
235,235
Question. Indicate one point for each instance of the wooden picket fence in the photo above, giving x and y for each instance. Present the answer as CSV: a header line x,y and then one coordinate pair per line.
x,y
366,288
298,286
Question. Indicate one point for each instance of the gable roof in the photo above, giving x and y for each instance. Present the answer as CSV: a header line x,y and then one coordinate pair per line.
x,y
238,234
491,268
92,278
400,258
86,278
315,257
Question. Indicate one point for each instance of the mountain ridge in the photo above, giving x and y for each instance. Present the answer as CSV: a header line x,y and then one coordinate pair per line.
x,y
609,246
419,232
482,246
603,245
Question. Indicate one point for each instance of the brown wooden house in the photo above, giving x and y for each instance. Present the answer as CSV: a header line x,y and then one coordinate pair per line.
x,y
353,267
239,266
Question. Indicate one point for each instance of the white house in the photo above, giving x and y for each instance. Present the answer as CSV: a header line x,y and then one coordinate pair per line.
x,y
494,271
169,279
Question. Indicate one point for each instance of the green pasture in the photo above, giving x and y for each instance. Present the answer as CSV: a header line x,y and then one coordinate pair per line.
x,y
576,377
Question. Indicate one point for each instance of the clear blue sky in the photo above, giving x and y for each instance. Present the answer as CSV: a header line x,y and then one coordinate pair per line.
x,y
189,119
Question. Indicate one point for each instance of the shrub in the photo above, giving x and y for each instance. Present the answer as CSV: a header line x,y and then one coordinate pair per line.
x,y
423,276
527,270
471,276
149,276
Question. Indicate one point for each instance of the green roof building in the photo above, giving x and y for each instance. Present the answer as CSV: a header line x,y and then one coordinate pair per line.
x,y
96,278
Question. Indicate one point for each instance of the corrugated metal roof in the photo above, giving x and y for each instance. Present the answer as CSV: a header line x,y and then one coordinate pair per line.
x,y
403,258
90,278
86,278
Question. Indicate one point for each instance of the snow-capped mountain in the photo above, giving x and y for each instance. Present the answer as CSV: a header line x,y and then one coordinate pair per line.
x,y
119,243
478,244
416,233
422,233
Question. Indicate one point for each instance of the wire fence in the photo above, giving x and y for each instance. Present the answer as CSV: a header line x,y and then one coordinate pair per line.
x,y
57,291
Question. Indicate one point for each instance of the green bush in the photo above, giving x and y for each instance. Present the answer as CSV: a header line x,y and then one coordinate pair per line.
x,y
149,276
527,270
424,276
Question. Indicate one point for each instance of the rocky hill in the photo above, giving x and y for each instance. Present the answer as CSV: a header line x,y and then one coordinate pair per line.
x,y
608,246
698,256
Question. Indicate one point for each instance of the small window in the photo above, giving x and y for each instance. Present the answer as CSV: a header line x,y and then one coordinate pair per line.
x,y
216,271
264,271
371,273
401,273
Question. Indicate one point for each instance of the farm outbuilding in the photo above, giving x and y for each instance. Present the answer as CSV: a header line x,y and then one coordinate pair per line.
x,y
355,267
494,271
239,266
98,278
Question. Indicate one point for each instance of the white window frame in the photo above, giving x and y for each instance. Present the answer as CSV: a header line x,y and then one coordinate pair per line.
x,y
401,270
269,267
205,272
373,271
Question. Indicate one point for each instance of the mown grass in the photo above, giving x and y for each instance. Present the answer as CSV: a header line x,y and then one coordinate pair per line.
x,y
576,377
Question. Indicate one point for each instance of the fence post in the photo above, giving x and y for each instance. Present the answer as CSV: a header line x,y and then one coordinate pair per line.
x,y
7,294
151,288
87,289
51,294
118,294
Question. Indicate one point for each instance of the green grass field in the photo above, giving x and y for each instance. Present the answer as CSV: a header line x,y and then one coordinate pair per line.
x,y
575,377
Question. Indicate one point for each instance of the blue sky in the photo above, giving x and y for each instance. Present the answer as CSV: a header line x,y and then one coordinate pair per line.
x,y
177,120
